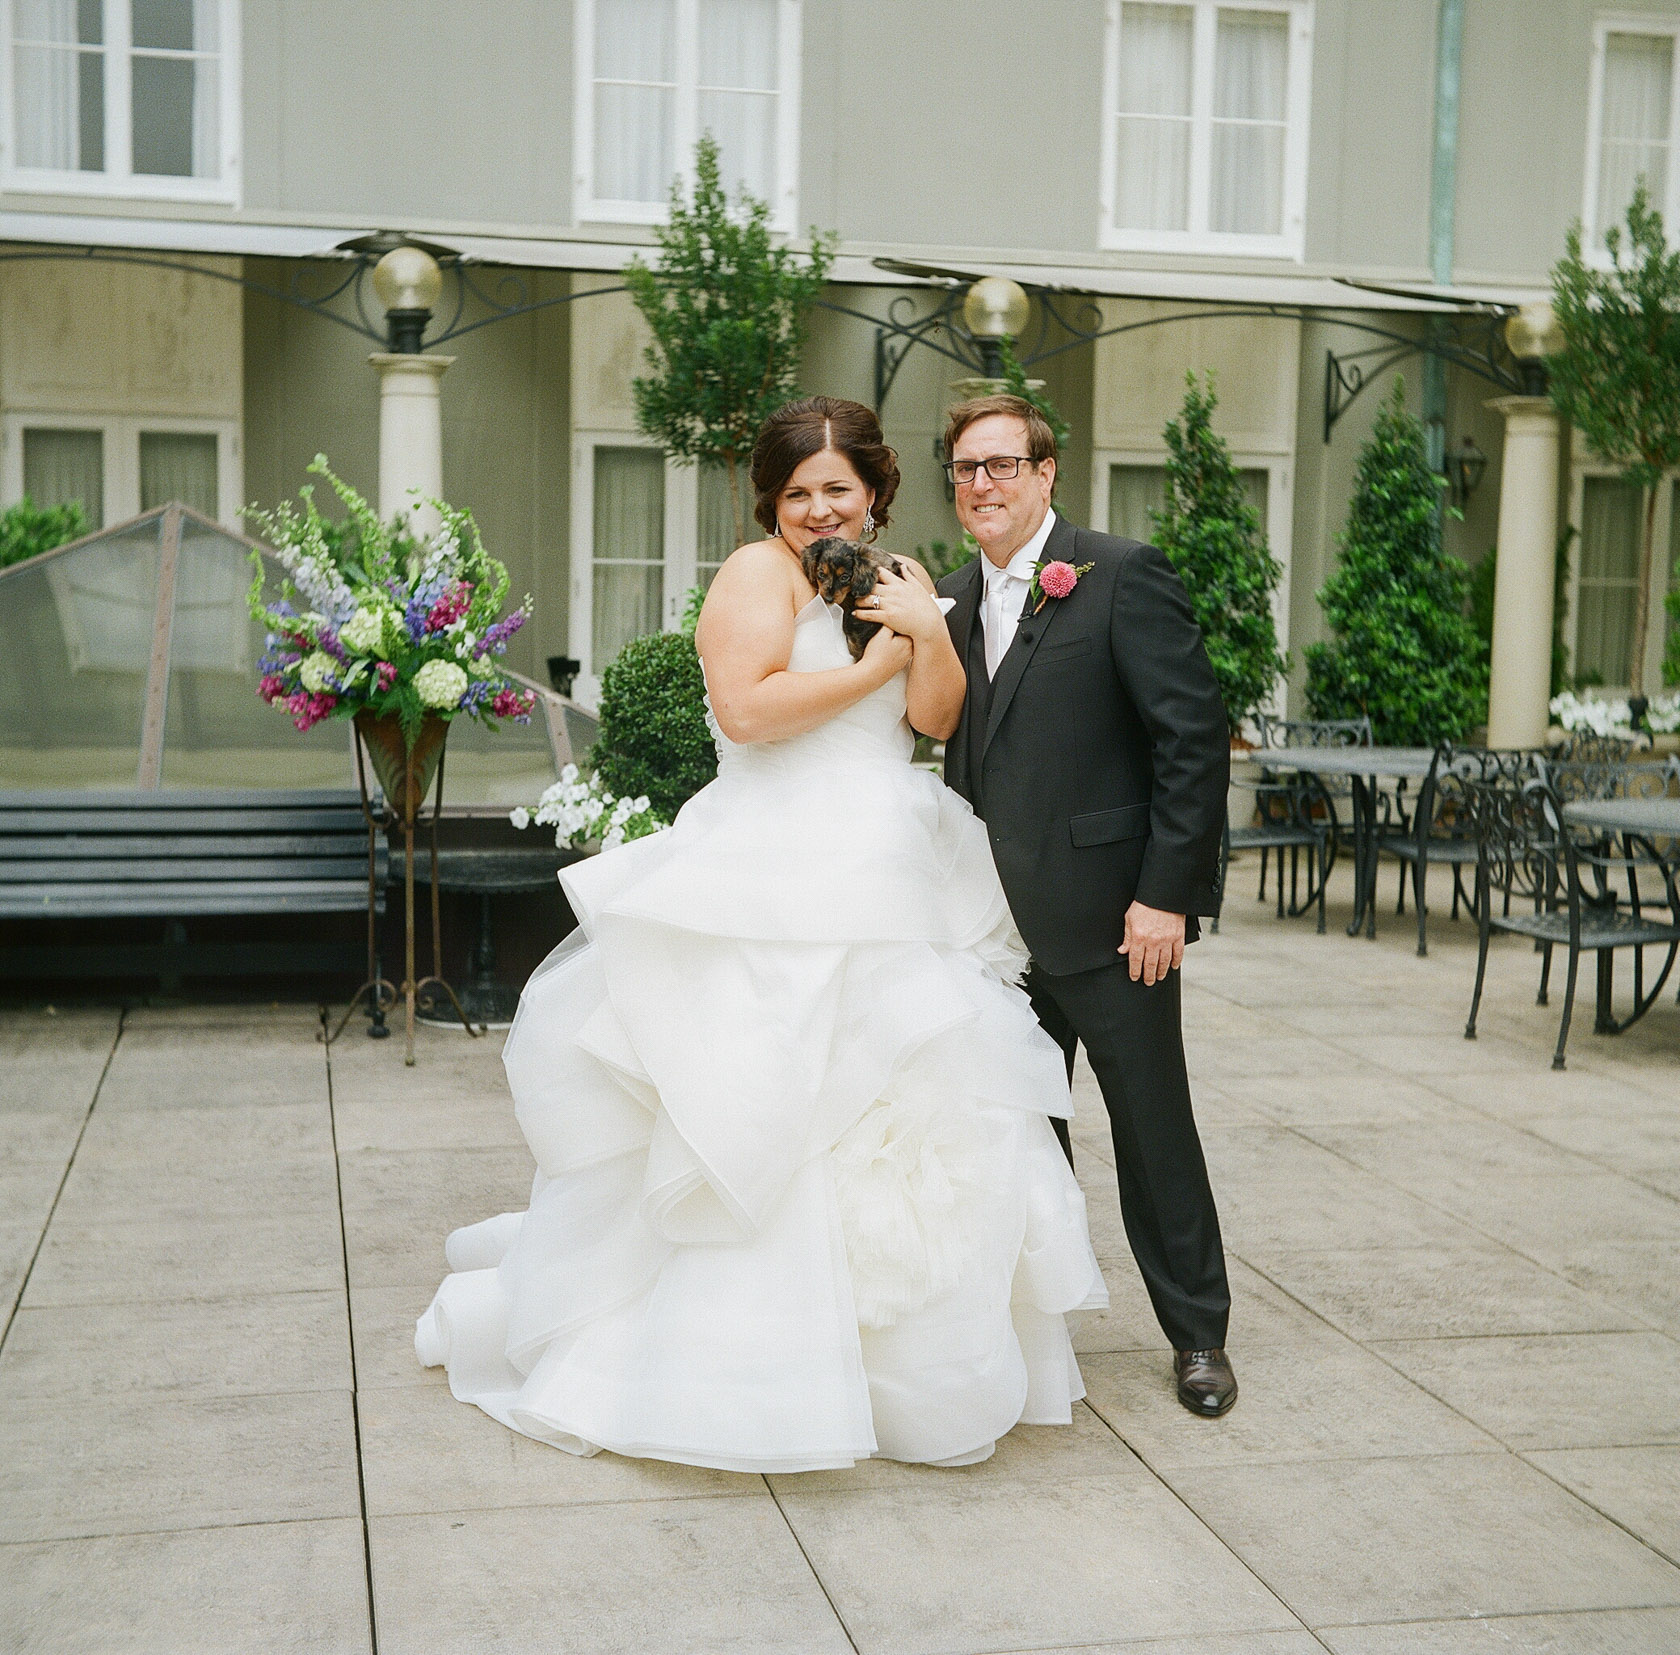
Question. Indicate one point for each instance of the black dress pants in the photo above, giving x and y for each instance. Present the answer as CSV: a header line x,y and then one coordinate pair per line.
x,y
1135,1045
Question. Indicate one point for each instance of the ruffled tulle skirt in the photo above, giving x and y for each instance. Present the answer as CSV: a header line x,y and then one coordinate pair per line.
x,y
797,1199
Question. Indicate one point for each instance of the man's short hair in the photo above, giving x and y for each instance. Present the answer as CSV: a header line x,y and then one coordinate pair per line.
x,y
1041,440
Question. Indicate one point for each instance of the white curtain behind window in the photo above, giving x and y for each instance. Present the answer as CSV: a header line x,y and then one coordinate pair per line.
x,y
635,99
1250,84
1134,491
717,522
629,544
737,90
179,465
1609,584
61,466
45,75
1152,185
1638,78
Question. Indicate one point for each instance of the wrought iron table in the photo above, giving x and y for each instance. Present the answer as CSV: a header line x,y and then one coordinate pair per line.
x,y
1362,766
1646,818
487,872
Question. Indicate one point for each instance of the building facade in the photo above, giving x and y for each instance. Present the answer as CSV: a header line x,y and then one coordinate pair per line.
x,y
1289,193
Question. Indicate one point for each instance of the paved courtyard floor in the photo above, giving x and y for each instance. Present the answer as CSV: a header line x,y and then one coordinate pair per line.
x,y
1457,1282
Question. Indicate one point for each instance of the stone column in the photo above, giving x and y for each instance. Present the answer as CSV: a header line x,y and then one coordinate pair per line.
x,y
1522,594
410,435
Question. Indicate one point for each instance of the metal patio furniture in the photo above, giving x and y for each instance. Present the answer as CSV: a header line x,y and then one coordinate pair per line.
x,y
1557,867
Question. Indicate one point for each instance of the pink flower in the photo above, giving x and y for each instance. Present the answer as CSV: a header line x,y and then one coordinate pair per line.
x,y
271,688
386,673
307,709
511,703
449,608
1056,580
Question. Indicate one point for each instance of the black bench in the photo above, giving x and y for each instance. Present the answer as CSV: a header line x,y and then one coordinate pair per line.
x,y
176,856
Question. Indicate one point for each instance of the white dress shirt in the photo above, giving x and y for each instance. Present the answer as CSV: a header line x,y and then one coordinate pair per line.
x,y
1006,594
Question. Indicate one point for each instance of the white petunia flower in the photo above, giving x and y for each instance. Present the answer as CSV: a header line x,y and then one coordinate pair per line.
x,y
520,817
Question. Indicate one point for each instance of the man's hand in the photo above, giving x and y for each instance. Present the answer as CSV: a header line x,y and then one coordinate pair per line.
x,y
1154,943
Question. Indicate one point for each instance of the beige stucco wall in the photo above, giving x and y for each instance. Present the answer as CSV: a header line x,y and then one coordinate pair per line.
x,y
80,337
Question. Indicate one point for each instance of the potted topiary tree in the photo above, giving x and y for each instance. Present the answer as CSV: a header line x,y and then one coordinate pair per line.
x,y
1214,539
1402,650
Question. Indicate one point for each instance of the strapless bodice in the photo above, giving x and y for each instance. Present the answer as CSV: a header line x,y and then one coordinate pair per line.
x,y
873,730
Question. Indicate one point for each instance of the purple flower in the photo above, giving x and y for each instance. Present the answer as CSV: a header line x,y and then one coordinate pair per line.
x,y
329,642
496,638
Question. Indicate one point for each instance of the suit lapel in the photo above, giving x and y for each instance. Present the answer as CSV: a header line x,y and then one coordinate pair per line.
x,y
960,621
1028,635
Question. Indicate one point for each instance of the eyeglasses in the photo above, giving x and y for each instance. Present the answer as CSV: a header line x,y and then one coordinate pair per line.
x,y
999,467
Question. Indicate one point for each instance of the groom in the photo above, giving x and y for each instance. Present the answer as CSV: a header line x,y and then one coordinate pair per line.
x,y
1094,745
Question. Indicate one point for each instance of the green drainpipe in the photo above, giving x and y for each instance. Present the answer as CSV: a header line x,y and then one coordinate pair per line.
x,y
1443,193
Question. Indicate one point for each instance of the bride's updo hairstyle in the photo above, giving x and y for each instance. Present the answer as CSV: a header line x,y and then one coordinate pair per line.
x,y
793,434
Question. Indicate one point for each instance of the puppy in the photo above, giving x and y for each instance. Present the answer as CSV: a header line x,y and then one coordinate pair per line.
x,y
845,572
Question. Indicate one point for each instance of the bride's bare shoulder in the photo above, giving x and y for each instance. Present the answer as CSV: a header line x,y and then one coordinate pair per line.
x,y
757,584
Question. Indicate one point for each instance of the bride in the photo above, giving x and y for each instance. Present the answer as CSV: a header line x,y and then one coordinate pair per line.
x,y
797,1199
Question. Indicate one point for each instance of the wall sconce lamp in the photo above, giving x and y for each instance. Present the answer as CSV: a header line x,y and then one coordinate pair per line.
x,y
1466,466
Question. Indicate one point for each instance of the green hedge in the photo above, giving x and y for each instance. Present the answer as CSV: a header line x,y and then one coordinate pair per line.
x,y
654,738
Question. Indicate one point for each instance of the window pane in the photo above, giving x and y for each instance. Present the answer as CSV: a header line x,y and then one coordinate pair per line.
x,y
58,91
633,143
176,117
1153,140
1250,82
168,25
738,44
179,465
60,466
635,40
744,124
1638,74
629,546
1609,584
717,522
1134,491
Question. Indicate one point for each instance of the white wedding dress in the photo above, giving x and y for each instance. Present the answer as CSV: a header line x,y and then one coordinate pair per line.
x,y
797,1201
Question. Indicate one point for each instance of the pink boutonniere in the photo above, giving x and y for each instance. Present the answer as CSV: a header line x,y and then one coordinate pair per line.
x,y
1055,579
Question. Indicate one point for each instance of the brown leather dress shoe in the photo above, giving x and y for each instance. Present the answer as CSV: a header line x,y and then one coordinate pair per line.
x,y
1206,1385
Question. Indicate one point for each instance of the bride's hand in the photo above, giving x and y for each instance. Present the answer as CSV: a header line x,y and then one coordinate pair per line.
x,y
887,653
904,605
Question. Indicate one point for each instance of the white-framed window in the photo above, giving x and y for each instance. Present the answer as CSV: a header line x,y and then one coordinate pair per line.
x,y
1604,590
1205,113
1126,486
121,97
652,75
644,532
119,466
1632,109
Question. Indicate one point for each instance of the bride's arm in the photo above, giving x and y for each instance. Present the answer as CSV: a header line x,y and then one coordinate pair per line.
x,y
937,684
745,638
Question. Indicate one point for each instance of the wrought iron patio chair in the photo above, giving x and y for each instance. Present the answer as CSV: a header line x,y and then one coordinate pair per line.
x,y
1267,834
1291,812
1441,831
1587,747
1566,879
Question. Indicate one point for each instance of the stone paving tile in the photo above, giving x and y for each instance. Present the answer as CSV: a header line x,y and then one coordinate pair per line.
x,y
1436,1155
1615,1632
1549,1218
1309,1101
17,1247
1630,1143
293,1588
38,1136
44,1082
667,1577
382,1330
62,1036
400,1208
111,1466
194,1348
1240,1643
1348,1541
1319,1401
450,1120
27,1192
936,1570
114,1189
231,1137
422,1451
1637,1487
292,1019
186,1258
1570,1390
1541,1093
1435,1292
1642,1277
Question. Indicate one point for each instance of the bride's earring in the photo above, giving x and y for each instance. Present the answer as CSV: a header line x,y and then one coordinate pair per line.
x,y
868,523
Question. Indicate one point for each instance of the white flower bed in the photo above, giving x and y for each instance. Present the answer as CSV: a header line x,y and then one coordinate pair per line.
x,y
1611,716
582,812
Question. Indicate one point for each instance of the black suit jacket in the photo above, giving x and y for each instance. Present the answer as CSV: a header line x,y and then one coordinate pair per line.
x,y
1099,756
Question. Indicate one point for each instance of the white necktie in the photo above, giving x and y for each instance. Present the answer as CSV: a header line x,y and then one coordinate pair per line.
x,y
998,591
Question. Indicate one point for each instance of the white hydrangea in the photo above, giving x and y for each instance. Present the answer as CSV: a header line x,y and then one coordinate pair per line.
x,y
440,684
364,632
316,671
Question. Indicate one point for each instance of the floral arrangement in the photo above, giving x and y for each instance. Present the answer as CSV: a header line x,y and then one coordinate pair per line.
x,y
1613,717
582,811
371,618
